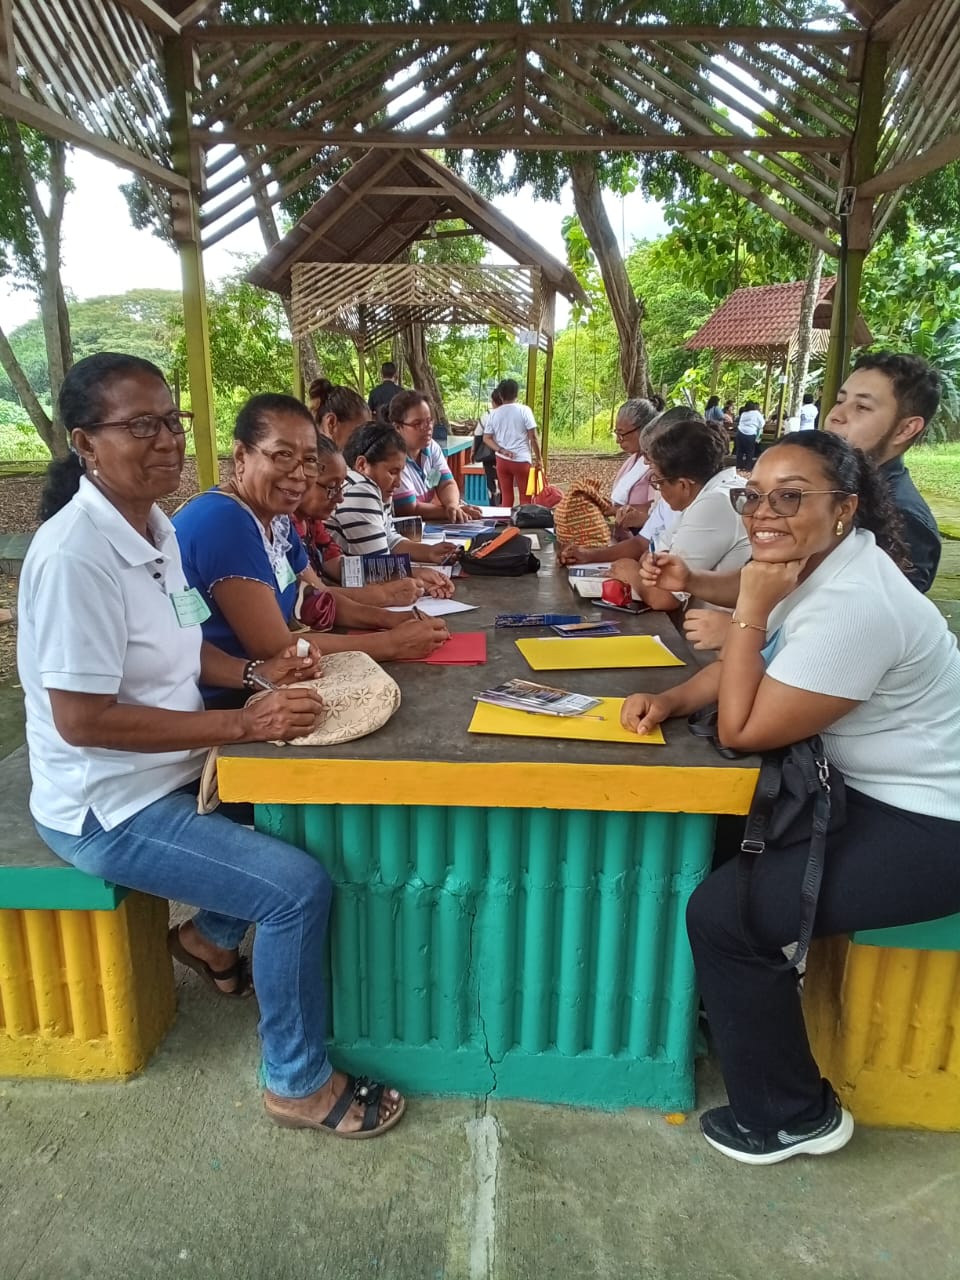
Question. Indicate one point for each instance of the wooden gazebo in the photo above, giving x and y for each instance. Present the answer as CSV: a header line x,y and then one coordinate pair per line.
x,y
822,126
345,268
762,324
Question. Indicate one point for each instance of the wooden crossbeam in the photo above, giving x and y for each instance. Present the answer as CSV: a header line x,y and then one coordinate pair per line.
x,y
194,12
897,17
151,14
941,153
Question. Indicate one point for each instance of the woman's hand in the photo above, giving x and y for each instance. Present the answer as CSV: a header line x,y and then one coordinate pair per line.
x,y
706,628
470,512
630,517
505,453
642,712
439,552
764,585
667,572
435,583
455,513
573,555
281,715
286,667
400,591
417,639
627,571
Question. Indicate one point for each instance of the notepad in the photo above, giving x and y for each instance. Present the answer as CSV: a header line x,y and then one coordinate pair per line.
x,y
463,649
527,724
433,607
564,654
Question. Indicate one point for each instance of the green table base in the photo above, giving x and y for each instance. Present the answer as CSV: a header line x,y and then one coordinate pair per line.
x,y
535,954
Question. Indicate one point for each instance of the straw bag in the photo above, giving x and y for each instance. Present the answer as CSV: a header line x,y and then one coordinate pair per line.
x,y
579,520
358,698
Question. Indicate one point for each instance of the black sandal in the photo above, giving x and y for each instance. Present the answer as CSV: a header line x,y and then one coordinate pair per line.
x,y
240,971
357,1089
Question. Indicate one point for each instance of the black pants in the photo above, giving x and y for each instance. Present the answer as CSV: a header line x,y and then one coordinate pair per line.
x,y
746,450
886,867
493,484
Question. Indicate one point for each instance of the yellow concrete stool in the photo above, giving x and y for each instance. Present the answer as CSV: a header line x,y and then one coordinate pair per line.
x,y
86,981
883,1013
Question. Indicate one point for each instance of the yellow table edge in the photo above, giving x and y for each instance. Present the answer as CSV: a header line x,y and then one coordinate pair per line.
x,y
626,788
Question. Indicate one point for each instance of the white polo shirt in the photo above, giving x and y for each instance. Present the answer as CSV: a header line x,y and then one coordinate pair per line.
x,y
95,616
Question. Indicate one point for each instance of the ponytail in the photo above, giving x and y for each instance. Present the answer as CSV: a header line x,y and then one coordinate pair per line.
x,y
61,484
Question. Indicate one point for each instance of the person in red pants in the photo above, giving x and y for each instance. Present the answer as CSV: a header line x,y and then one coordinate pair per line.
x,y
511,431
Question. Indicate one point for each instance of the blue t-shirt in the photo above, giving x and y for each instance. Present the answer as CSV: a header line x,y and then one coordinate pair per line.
x,y
221,538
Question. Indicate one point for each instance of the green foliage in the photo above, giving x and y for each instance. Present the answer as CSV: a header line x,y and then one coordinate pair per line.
x,y
935,470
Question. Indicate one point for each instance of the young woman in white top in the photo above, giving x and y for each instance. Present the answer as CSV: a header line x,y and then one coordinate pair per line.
x,y
749,431
512,433
110,655
829,638
688,467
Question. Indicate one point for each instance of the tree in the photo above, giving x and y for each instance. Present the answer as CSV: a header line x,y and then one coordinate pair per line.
x,y
30,241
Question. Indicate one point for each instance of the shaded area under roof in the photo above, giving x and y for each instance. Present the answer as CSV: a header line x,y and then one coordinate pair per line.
x,y
386,202
763,321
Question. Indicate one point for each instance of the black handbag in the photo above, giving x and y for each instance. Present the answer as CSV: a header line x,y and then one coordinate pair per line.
x,y
798,797
532,516
482,451
511,560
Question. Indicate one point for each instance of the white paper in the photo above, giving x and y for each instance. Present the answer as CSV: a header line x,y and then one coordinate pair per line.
x,y
433,608
496,513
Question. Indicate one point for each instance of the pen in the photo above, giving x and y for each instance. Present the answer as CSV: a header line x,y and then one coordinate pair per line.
x,y
419,615
263,683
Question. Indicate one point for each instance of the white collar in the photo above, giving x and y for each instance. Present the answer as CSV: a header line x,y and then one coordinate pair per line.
x,y
119,532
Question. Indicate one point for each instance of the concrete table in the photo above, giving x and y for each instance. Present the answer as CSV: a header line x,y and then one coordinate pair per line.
x,y
509,911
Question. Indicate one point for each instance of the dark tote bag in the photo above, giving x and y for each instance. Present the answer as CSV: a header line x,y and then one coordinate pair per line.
x,y
798,798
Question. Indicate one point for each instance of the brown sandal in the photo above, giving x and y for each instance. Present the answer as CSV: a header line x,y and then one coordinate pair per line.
x,y
357,1089
240,971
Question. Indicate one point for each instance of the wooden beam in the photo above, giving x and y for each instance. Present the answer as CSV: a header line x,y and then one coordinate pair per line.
x,y
505,141
194,12
151,15
897,17
940,154
8,50
31,113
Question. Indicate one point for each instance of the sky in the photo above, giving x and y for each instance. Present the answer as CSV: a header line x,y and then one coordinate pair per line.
x,y
104,254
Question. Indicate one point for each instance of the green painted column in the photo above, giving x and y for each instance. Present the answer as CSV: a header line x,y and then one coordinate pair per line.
x,y
187,160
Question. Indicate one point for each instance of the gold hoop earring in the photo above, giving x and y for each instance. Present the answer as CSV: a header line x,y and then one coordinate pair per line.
x,y
839,529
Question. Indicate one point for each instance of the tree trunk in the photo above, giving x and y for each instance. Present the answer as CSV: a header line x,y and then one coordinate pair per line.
x,y
627,308
805,333
306,351
422,377
54,439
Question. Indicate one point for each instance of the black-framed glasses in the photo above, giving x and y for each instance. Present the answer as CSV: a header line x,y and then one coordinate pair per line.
x,y
629,432
782,502
146,425
287,461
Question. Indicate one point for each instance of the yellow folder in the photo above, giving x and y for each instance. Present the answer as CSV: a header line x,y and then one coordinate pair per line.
x,y
528,724
564,654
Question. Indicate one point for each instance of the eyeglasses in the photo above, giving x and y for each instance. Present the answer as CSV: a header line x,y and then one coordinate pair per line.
x,y
655,482
333,491
422,423
620,434
146,425
782,502
287,461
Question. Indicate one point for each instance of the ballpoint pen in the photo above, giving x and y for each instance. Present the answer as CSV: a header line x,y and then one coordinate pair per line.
x,y
263,683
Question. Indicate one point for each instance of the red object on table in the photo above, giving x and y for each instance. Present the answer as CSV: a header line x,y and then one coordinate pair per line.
x,y
618,593
463,649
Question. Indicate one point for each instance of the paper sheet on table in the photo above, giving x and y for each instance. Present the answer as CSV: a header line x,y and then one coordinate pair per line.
x,y
565,654
463,649
495,513
433,608
527,724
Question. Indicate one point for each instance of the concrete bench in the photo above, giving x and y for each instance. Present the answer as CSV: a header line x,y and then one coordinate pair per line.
x,y
86,982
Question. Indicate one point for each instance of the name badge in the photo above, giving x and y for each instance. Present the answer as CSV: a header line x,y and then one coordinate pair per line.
x,y
284,574
190,607
432,479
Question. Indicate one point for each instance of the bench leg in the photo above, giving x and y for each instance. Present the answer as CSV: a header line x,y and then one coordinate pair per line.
x,y
84,995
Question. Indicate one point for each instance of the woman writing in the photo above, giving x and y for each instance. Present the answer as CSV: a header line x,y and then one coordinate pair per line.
x,y
828,638
242,554
110,656
426,489
687,467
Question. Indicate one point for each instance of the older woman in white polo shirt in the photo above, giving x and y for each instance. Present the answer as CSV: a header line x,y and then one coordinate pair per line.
x,y
829,638
110,654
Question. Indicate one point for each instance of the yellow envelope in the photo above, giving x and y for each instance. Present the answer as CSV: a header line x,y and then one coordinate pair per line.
x,y
564,654
529,724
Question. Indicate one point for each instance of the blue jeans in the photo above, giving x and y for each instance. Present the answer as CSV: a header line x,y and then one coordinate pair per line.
x,y
236,876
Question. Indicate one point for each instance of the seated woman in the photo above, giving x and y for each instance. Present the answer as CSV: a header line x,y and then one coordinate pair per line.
x,y
829,638
110,656
243,556
631,495
323,553
363,525
688,466
426,489
337,411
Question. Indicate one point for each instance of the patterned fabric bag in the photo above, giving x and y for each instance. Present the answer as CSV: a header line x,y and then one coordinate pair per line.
x,y
579,519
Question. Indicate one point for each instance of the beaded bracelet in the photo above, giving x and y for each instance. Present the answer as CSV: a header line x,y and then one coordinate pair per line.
x,y
247,678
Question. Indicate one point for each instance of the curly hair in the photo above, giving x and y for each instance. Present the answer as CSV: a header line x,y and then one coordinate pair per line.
x,y
851,471
917,386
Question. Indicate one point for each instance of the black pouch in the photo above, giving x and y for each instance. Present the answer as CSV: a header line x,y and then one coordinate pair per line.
x,y
509,561
532,516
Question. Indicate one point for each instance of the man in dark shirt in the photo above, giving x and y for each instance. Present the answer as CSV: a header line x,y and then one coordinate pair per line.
x,y
383,392
883,408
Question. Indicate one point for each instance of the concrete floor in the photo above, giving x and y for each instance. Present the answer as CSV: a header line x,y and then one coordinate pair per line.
x,y
178,1174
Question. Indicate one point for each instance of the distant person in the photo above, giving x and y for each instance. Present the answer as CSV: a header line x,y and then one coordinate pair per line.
x,y
512,433
713,411
749,430
883,408
484,455
385,390
808,413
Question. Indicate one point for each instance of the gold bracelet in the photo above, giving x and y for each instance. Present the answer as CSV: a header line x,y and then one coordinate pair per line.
x,y
744,625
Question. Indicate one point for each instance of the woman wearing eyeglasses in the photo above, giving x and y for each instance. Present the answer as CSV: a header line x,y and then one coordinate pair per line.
x,y
688,468
426,489
828,637
241,552
631,495
110,655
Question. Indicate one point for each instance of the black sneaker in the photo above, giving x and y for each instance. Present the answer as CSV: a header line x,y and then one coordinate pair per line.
x,y
755,1146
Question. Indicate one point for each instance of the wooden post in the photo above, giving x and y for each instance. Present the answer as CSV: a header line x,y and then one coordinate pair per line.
x,y
715,372
766,386
530,392
547,392
855,245
299,384
783,393
185,206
